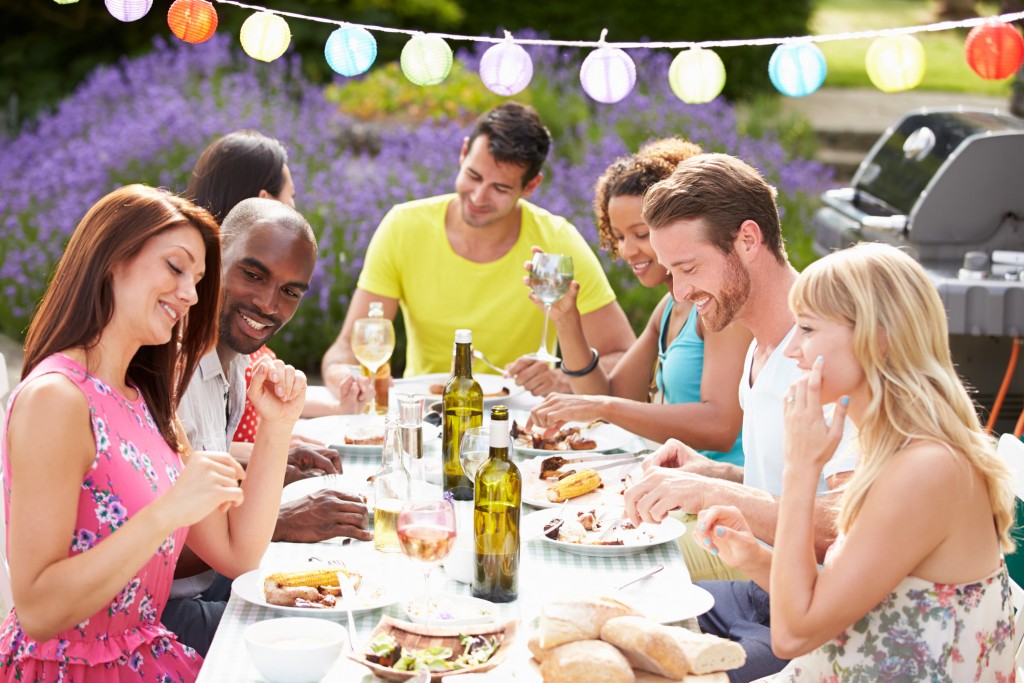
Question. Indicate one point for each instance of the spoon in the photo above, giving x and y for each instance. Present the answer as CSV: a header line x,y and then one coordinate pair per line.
x,y
479,355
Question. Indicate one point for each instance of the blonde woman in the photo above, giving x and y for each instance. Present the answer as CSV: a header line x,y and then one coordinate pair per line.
x,y
915,587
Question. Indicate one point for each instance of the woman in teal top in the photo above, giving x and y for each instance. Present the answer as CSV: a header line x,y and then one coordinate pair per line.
x,y
699,399
678,375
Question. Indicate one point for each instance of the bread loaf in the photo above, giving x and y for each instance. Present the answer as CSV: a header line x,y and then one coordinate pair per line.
x,y
670,651
564,621
586,661
533,645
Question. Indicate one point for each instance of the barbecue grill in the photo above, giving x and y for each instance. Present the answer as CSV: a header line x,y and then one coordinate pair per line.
x,y
948,185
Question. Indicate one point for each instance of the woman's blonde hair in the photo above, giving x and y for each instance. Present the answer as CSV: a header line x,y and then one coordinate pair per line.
x,y
901,340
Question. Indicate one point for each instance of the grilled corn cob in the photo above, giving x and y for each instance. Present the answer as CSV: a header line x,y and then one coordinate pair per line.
x,y
309,577
574,485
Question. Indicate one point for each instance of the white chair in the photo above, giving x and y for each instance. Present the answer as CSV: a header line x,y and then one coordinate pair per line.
x,y
1011,450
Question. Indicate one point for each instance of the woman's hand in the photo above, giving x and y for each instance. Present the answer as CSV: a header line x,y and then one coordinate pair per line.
x,y
809,439
210,481
722,530
557,409
277,390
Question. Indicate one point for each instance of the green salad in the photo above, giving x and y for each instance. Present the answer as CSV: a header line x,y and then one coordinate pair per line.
x,y
476,650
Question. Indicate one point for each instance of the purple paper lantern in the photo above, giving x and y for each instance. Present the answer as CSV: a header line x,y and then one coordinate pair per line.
x,y
128,10
506,68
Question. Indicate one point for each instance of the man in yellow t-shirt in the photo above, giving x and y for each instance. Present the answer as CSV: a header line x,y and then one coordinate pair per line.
x,y
456,261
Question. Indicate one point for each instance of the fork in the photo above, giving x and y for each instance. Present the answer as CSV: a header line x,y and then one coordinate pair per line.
x,y
479,355
348,594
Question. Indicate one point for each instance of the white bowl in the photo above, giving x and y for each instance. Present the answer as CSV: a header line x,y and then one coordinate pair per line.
x,y
294,649
461,562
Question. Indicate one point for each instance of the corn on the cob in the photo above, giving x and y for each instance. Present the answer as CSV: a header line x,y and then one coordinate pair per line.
x,y
309,577
576,484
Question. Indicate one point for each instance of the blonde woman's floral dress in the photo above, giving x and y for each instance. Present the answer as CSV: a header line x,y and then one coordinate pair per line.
x,y
923,632
125,640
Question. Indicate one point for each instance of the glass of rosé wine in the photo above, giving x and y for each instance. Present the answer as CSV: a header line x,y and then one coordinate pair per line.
x,y
426,532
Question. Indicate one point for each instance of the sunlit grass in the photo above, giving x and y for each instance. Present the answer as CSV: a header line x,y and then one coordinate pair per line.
x,y
947,67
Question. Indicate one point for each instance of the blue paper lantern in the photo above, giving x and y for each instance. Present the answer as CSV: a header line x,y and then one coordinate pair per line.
x,y
506,68
351,50
797,69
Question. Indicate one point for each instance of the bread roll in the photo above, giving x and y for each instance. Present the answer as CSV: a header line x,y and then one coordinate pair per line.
x,y
586,661
564,621
671,651
533,645
647,677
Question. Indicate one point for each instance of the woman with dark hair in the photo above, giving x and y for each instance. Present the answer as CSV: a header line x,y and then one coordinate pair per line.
x,y
237,166
93,455
679,379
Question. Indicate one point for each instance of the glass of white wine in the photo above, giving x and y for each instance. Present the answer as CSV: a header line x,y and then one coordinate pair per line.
x,y
373,342
474,450
550,277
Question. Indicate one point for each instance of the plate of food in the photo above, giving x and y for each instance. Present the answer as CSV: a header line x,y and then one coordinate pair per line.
x,y
450,610
598,530
396,648
355,434
314,590
495,387
585,486
597,436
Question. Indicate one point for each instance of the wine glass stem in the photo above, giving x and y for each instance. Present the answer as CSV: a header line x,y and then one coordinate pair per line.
x,y
426,592
543,350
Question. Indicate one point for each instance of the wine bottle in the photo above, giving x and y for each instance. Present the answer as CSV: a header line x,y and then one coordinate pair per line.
x,y
497,502
463,408
391,489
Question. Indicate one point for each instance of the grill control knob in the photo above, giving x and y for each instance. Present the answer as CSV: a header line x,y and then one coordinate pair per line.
x,y
975,266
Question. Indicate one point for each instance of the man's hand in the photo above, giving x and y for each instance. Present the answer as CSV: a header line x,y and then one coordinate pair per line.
x,y
537,377
310,458
322,515
675,453
662,490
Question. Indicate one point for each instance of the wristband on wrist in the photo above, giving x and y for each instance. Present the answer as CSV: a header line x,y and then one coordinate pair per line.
x,y
584,371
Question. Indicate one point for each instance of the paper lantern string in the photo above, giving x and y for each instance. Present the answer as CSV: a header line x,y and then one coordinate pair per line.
x,y
674,45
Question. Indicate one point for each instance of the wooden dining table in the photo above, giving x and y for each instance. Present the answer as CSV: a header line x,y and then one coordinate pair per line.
x,y
546,572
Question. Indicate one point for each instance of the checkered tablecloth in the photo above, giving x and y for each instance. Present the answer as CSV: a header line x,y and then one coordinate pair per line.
x,y
545,572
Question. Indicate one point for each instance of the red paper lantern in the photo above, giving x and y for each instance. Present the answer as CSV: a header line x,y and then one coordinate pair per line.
x,y
995,50
194,21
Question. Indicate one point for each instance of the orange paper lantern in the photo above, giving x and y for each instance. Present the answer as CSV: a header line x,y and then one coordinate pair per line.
x,y
194,21
995,50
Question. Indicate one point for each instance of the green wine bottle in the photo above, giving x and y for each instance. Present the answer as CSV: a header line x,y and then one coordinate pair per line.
x,y
498,500
463,408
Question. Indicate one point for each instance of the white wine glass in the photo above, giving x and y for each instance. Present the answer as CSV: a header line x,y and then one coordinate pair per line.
x,y
426,532
550,277
474,450
373,342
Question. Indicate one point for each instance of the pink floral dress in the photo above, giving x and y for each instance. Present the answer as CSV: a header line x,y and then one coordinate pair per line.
x,y
125,641
923,631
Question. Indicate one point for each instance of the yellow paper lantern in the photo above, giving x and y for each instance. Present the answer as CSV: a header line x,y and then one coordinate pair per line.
x,y
697,75
426,59
895,63
265,36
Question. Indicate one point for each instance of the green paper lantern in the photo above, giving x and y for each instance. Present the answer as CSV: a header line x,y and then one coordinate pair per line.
x,y
426,59
697,76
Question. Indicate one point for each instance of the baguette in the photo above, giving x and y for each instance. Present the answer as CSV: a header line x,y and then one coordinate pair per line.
x,y
564,621
533,645
586,661
671,651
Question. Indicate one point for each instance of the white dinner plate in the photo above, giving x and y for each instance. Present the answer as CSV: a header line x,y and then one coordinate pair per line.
x,y
450,610
607,436
370,595
333,429
666,597
633,540
350,483
492,386
535,489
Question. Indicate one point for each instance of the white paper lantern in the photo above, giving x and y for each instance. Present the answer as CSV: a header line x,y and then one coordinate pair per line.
x,y
608,74
506,68
128,10
265,36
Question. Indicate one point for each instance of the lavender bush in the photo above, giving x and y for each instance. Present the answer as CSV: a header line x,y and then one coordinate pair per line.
x,y
147,119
